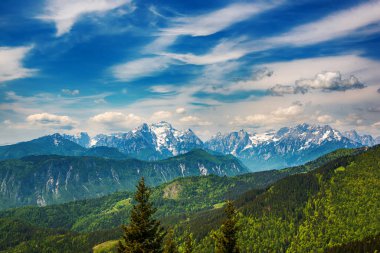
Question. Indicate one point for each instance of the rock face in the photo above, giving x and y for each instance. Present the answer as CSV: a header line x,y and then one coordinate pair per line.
x,y
44,180
148,142
365,140
286,147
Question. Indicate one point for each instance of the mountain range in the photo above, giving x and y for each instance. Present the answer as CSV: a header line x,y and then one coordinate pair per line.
x,y
289,146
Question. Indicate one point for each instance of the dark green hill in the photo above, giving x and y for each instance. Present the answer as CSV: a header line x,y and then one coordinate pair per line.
x,y
105,152
52,144
43,180
56,144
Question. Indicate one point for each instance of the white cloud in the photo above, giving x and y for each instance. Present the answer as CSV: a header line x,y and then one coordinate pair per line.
x,y
283,75
100,101
377,124
325,81
180,110
140,68
66,13
161,115
7,122
163,88
325,119
281,114
70,92
51,120
194,120
329,81
354,119
290,111
117,121
11,67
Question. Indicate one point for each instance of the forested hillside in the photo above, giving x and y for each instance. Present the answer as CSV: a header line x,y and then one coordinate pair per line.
x,y
299,209
45,180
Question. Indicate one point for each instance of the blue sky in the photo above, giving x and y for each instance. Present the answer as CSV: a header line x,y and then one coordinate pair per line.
x,y
106,66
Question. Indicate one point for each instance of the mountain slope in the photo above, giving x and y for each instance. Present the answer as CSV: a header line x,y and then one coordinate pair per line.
x,y
148,142
181,196
325,208
46,180
51,144
284,148
56,144
273,219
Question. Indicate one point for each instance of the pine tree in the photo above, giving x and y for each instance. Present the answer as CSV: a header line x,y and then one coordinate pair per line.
x,y
169,244
226,241
143,234
189,243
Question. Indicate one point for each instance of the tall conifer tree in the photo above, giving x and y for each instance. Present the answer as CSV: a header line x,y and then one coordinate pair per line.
x,y
226,241
143,234
169,244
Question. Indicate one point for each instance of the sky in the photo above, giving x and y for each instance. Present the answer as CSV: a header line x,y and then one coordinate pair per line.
x,y
105,66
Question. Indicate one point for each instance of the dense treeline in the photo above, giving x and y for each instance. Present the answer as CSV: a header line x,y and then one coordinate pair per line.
x,y
368,244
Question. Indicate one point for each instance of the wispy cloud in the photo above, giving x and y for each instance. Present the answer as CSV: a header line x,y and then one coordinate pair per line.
x,y
216,21
200,25
224,51
140,68
11,66
208,23
339,24
163,89
66,13
333,26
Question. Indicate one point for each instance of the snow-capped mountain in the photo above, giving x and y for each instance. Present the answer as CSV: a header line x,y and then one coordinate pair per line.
x,y
81,138
150,142
365,140
288,146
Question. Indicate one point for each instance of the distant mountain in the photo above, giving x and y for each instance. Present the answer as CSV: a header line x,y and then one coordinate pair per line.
x,y
51,144
365,140
42,180
81,138
56,144
289,146
284,148
105,152
148,142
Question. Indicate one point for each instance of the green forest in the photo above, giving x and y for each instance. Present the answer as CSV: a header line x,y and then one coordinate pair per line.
x,y
328,205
